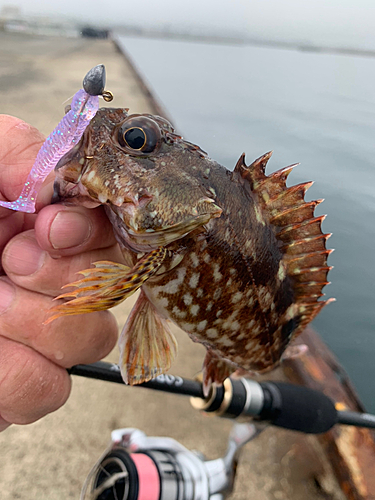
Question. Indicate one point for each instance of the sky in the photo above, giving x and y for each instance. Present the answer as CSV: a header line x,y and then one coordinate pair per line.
x,y
342,22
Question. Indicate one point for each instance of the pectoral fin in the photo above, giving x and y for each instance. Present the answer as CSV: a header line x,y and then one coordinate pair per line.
x,y
147,346
107,285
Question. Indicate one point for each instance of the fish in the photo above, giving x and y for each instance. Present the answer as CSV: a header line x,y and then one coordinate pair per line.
x,y
236,259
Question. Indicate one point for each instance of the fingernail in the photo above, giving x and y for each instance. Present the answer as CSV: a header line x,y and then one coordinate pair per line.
x,y
69,229
6,297
23,257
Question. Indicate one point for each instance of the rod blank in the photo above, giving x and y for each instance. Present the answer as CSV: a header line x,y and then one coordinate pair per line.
x,y
110,372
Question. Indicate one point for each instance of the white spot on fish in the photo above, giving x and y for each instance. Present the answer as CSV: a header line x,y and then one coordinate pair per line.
x,y
188,299
202,325
194,259
224,340
232,270
281,272
292,310
206,258
229,282
217,274
172,286
217,293
177,312
267,297
212,333
258,215
102,198
236,297
235,326
193,282
194,309
219,313
250,345
230,323
106,183
199,293
163,302
91,175
209,306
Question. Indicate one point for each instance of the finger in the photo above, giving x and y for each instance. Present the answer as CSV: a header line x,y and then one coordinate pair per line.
x,y
3,424
30,385
9,227
34,269
62,230
19,146
66,341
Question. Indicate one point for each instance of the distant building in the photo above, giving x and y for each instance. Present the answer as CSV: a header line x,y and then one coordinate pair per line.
x,y
92,32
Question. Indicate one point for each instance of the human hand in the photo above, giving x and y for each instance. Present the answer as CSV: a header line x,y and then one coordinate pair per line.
x,y
41,253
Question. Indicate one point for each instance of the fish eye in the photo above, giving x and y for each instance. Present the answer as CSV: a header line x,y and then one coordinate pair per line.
x,y
135,138
139,135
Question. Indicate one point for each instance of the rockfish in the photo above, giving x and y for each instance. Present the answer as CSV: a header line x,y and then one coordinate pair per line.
x,y
235,258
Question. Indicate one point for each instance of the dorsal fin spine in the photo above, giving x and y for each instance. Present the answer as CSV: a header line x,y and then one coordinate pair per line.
x,y
298,230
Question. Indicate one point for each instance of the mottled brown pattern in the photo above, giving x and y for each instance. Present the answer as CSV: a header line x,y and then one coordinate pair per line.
x,y
246,259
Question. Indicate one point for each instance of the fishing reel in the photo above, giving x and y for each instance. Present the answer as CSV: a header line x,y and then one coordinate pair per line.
x,y
138,467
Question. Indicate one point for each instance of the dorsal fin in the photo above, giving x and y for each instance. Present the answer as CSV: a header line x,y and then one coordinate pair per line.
x,y
298,231
255,171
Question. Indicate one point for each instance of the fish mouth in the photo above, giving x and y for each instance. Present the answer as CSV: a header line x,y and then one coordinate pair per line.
x,y
150,239
139,234
161,237
72,194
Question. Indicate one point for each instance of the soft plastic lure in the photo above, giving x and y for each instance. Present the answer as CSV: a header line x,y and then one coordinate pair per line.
x,y
68,132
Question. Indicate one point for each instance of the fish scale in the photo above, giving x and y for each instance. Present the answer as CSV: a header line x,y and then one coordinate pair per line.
x,y
236,259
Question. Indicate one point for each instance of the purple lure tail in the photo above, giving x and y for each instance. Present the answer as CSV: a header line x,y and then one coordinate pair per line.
x,y
68,132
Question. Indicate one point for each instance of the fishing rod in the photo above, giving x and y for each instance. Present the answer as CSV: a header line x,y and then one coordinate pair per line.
x,y
278,403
